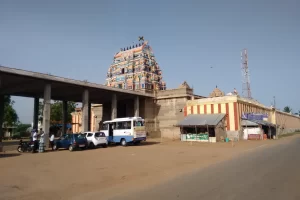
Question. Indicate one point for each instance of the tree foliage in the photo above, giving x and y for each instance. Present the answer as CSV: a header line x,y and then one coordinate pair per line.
x,y
287,109
22,127
56,114
10,117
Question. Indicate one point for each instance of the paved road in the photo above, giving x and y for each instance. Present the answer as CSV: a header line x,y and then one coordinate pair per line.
x,y
267,173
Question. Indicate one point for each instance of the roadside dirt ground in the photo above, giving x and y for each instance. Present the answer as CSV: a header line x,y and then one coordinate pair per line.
x,y
103,172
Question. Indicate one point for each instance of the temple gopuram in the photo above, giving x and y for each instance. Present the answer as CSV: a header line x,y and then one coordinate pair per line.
x,y
135,68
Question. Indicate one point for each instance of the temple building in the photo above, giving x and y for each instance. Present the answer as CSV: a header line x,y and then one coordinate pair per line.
x,y
135,68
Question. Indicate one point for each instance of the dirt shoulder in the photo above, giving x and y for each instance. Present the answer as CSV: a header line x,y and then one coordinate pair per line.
x,y
110,171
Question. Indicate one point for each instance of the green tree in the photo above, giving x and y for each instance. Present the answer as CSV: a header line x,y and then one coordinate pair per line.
x,y
41,108
56,111
10,117
22,127
287,109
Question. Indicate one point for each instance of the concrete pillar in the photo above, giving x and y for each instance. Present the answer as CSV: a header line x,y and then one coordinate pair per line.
x,y
36,113
114,106
46,112
1,118
136,106
89,115
85,111
64,117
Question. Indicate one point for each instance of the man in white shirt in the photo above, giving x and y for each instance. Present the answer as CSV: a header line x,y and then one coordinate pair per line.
x,y
35,142
52,141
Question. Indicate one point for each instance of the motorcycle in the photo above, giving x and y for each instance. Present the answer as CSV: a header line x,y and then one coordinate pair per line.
x,y
25,146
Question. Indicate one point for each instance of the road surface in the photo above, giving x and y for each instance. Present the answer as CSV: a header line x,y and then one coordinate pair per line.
x,y
268,173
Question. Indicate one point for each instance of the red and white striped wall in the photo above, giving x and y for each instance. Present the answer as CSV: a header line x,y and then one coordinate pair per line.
x,y
233,111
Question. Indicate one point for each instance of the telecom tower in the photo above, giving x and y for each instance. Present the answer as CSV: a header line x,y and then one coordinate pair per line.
x,y
246,91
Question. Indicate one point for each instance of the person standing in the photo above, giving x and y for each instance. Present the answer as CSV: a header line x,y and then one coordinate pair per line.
x,y
42,141
52,141
35,141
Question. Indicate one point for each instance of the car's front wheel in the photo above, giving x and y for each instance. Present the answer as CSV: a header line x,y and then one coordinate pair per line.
x,y
91,145
71,148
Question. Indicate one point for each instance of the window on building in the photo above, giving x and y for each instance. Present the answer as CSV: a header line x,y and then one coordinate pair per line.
x,y
120,85
143,85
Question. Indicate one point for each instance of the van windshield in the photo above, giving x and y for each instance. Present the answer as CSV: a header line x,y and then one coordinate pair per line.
x,y
138,123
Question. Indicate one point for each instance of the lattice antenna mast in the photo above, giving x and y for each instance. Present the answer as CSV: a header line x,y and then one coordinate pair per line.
x,y
246,91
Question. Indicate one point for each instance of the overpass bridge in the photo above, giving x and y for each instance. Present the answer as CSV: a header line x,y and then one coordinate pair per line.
x,y
17,82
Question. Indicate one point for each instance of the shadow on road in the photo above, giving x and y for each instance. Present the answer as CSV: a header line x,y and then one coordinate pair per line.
x,y
146,143
7,155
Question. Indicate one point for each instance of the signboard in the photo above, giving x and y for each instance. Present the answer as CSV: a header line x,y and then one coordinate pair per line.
x,y
200,136
254,116
253,136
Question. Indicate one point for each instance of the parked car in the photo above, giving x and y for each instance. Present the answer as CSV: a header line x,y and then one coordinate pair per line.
x,y
95,139
71,142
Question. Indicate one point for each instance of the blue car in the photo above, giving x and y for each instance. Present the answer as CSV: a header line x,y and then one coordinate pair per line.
x,y
71,142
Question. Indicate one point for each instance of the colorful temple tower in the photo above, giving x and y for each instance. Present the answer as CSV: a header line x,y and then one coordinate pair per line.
x,y
135,68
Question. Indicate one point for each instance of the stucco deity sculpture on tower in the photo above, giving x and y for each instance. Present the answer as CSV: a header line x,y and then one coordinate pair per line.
x,y
135,68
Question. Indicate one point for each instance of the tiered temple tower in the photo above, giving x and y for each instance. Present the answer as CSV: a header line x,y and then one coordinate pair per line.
x,y
135,68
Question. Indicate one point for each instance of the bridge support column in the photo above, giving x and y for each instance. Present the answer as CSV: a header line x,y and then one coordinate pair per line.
x,y
114,106
36,113
136,106
1,118
64,117
46,113
85,111
89,116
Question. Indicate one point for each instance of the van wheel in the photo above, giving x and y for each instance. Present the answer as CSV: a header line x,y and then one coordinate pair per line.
x,y
71,148
123,142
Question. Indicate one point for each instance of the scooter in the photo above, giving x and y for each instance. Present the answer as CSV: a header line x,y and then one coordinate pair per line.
x,y
25,146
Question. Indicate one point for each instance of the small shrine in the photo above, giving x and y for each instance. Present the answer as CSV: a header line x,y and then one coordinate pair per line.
x,y
135,68
216,93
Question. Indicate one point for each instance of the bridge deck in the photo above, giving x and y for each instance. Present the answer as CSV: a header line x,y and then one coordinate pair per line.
x,y
19,82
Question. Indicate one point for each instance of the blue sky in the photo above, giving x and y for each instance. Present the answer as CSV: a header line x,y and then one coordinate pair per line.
x,y
77,39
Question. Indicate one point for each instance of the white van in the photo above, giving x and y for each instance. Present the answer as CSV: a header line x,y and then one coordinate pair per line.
x,y
125,130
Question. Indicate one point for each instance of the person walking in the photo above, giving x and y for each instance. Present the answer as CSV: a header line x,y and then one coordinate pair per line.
x,y
52,141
